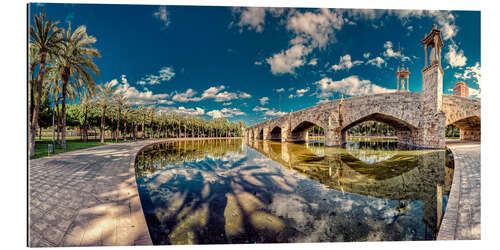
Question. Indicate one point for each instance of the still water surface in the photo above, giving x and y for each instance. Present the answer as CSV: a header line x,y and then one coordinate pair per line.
x,y
232,191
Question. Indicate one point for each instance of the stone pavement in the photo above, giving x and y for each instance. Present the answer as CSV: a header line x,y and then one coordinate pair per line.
x,y
462,218
86,198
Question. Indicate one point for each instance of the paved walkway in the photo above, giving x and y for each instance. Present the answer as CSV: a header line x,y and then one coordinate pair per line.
x,y
86,197
462,219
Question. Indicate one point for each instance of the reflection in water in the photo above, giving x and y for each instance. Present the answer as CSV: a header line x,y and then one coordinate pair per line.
x,y
228,191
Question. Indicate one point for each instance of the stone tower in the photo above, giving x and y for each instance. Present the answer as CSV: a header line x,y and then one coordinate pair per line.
x,y
432,73
432,128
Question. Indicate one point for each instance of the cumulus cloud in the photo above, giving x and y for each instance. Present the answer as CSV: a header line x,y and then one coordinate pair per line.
x,y
268,112
366,55
471,72
183,111
252,17
312,30
225,112
162,15
280,90
352,86
214,93
316,27
390,53
377,62
299,93
287,60
455,58
136,97
346,63
313,62
164,74
264,100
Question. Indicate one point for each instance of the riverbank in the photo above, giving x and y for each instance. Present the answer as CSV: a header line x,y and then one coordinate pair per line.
x,y
462,218
88,197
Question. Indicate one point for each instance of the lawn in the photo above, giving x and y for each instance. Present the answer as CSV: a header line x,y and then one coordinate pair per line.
x,y
72,143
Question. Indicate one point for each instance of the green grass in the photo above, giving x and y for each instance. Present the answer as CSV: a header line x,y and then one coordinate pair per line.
x,y
72,143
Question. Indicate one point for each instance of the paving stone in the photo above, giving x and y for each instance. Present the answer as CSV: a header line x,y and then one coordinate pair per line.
x,y
75,198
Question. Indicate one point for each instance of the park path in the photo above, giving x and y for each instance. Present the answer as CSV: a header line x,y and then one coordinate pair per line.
x,y
86,197
462,218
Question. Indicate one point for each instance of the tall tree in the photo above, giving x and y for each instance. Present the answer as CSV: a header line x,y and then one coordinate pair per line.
x,y
106,94
75,60
45,37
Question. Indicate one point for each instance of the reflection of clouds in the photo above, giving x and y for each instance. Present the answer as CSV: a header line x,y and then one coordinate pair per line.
x,y
252,188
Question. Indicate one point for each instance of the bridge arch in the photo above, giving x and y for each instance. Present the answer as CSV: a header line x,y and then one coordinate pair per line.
x,y
275,133
300,132
405,131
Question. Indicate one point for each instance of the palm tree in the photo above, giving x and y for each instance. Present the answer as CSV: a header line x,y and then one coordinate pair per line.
x,y
45,37
76,60
120,101
106,94
126,110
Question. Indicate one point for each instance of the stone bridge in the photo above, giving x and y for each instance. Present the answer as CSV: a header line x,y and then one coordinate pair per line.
x,y
419,118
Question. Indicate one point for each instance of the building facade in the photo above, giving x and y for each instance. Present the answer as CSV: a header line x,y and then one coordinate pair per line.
x,y
461,89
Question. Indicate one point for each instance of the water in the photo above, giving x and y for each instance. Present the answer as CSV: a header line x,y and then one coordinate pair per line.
x,y
228,191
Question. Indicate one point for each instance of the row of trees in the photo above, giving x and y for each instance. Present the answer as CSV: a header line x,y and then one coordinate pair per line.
x,y
372,128
62,72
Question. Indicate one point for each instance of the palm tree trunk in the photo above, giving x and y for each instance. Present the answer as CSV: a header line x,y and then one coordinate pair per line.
x,y
143,132
58,116
85,135
118,125
102,123
39,85
125,129
65,78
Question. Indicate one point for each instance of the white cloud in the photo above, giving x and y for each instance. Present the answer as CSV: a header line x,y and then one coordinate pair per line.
x,y
268,112
264,100
299,93
455,58
258,63
313,62
164,74
137,97
346,63
186,96
316,27
352,86
366,55
444,19
182,110
114,82
390,53
225,112
471,72
280,90
210,93
227,103
163,15
274,113
312,30
287,60
253,17
475,93
377,61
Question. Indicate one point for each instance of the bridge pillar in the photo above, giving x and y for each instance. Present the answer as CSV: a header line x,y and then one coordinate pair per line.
x,y
285,132
265,134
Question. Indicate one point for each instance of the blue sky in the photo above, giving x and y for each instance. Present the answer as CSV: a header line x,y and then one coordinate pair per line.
x,y
249,63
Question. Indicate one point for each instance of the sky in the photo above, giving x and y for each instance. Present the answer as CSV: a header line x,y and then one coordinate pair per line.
x,y
254,64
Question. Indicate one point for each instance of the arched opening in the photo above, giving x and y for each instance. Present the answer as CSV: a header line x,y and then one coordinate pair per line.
x,y
379,126
275,133
261,134
301,132
469,128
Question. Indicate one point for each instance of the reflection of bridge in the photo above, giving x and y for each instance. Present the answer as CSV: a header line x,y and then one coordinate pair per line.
x,y
418,118
410,175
